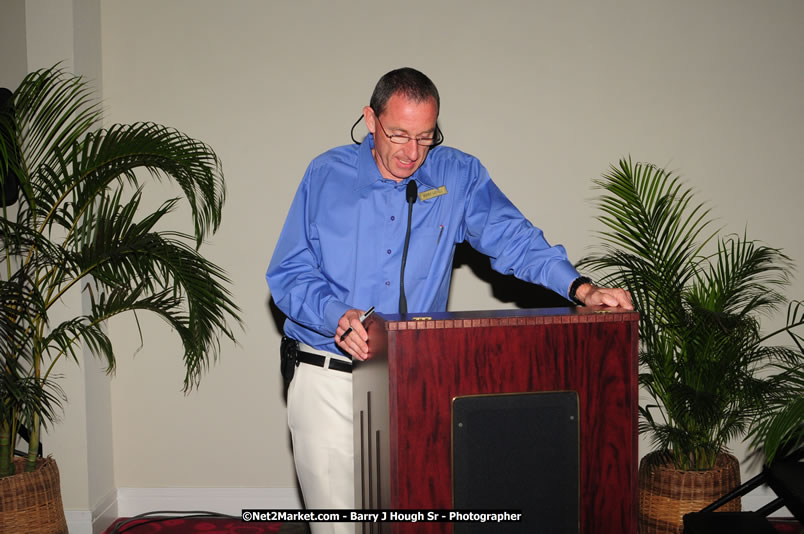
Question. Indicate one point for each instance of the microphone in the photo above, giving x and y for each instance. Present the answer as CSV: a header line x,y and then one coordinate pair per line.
x,y
410,195
411,192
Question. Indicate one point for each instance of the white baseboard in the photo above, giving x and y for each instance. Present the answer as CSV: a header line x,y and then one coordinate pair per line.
x,y
229,501
79,521
96,521
105,513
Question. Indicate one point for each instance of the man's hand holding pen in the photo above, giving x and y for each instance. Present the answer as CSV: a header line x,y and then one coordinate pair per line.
x,y
351,335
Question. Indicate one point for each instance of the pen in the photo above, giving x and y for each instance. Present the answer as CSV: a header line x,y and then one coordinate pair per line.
x,y
362,318
440,231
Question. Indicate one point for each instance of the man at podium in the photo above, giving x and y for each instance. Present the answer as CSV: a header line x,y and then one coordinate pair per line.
x,y
376,224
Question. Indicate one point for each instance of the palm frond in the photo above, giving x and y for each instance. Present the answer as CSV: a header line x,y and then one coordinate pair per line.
x,y
781,425
29,395
165,153
743,277
52,111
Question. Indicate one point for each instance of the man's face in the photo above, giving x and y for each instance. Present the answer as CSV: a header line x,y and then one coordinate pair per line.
x,y
401,116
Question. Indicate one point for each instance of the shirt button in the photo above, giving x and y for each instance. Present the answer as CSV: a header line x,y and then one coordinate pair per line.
x,y
388,282
393,218
388,251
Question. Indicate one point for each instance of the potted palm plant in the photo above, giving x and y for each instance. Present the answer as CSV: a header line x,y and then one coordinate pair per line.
x,y
78,225
707,367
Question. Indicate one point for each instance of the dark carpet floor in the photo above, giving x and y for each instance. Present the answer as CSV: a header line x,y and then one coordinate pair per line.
x,y
235,526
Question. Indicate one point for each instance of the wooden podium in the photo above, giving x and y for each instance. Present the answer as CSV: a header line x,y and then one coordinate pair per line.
x,y
404,392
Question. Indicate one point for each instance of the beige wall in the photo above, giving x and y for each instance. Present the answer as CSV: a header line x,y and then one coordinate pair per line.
x,y
547,94
13,58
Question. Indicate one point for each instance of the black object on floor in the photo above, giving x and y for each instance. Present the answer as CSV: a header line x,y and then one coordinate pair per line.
x,y
785,477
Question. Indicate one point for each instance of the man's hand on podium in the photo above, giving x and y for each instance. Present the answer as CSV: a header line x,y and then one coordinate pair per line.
x,y
591,295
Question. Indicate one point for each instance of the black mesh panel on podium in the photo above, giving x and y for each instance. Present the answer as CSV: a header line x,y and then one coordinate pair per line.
x,y
517,451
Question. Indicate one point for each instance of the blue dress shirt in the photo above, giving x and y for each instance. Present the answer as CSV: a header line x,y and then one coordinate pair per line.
x,y
341,245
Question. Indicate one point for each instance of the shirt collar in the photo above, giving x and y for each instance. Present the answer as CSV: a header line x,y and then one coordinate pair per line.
x,y
368,173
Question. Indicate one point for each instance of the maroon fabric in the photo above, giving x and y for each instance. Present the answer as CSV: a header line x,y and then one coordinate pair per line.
x,y
194,526
787,526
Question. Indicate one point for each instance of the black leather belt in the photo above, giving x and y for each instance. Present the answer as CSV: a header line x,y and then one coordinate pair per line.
x,y
319,360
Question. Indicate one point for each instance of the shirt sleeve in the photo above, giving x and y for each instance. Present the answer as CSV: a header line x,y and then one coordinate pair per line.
x,y
495,227
298,286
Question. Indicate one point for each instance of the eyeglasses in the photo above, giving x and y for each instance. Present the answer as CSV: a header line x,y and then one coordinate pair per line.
x,y
436,140
405,139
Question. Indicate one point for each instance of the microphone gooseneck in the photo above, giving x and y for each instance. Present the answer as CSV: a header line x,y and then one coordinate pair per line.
x,y
410,195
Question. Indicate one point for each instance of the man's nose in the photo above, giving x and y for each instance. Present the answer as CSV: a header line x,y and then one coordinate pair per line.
x,y
411,149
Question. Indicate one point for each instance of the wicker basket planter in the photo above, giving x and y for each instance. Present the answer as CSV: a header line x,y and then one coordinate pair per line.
x,y
666,494
31,502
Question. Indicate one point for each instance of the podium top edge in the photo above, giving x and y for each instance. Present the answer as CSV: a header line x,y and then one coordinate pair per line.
x,y
519,317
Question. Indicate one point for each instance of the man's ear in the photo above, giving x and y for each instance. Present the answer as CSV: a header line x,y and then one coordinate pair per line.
x,y
368,116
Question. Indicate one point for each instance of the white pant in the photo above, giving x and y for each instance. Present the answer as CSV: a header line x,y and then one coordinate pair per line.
x,y
320,421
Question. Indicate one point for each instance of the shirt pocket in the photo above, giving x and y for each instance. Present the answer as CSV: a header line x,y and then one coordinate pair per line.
x,y
422,252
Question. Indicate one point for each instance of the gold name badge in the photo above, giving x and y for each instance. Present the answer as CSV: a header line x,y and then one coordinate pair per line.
x,y
427,195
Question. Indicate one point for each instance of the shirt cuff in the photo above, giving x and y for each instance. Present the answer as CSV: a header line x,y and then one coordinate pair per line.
x,y
333,313
562,277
